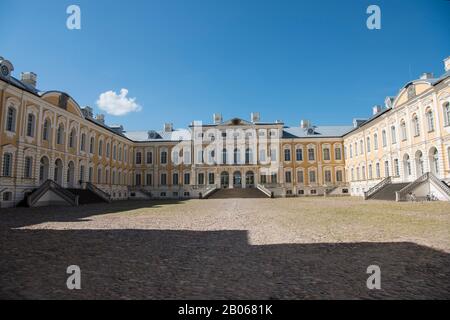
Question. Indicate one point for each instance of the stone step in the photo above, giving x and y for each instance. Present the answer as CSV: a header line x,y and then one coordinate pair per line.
x,y
237,193
388,191
86,196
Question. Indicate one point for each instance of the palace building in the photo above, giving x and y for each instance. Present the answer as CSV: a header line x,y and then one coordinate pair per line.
x,y
55,152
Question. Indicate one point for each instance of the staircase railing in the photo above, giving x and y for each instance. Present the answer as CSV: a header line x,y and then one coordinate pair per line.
x,y
377,187
52,185
209,190
102,194
264,190
401,195
329,191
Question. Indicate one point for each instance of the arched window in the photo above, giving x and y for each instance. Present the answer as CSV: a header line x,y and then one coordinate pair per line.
x,y
378,171
311,154
11,119
407,165
237,156
28,168
375,141
114,152
83,142
337,153
446,110
384,138
107,149
287,154
420,170
370,173
248,156
100,146
368,144
46,130
393,135
434,161
299,154
326,154
30,125
72,138
7,164
430,120
403,130
416,125
60,134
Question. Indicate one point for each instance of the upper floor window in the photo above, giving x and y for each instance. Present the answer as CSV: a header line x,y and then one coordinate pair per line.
x,y
138,158
299,154
72,138
375,141
287,155
46,130
338,153
237,156
163,157
83,142
30,125
326,154
416,125
60,135
114,152
100,147
403,130
11,119
356,149
384,138
446,107
430,120
393,135
361,147
248,156
311,154
368,144
107,149
149,157
351,151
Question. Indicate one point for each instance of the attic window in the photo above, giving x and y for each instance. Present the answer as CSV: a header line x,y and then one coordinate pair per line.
x,y
62,102
411,90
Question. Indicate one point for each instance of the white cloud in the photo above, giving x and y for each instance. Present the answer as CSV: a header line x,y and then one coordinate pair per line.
x,y
117,104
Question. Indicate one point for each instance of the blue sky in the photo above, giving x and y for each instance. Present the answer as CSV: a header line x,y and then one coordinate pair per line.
x,y
185,59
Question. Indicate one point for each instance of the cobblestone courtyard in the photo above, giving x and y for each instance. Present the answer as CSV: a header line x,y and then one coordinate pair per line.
x,y
296,248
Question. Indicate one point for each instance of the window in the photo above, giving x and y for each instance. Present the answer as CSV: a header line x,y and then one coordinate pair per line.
x,y
175,179
100,147
368,144
375,141
11,119
211,178
99,175
149,179
416,126
378,171
114,152
175,156
83,142
262,155
299,154
187,156
248,156
300,176
327,176
384,138
339,176
60,134
353,174
30,125
351,151
163,179
138,157
138,179
28,168
396,168
72,138
7,196
361,147
311,154
200,156
120,153
312,176
393,135
187,178
149,157
224,156
446,114
287,154
273,155
45,131
356,149
237,156
403,130
108,149
163,157
326,154
7,165
407,165
81,173
363,172
430,120
201,178
370,173
91,172
288,177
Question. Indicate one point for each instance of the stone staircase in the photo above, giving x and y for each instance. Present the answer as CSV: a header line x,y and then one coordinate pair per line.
x,y
237,193
86,196
388,191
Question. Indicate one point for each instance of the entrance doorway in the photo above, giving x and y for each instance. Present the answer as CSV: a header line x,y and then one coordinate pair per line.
x,y
237,179
224,180
249,179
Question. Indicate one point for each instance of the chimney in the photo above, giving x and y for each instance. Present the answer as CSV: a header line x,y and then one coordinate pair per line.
x,y
376,109
304,124
217,118
447,64
29,78
168,127
426,75
100,118
254,116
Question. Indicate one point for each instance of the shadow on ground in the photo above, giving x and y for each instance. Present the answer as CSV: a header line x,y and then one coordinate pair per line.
x,y
169,264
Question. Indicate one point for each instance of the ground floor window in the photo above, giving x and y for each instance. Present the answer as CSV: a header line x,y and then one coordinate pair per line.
x,y
211,178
